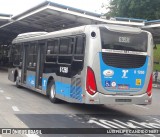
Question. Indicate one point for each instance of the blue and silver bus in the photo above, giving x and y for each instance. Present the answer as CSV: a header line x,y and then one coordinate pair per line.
x,y
92,64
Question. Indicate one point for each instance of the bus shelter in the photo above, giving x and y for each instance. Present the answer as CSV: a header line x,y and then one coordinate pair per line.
x,y
50,16
153,27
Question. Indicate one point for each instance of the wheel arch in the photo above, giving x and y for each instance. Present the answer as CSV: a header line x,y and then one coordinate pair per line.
x,y
15,75
50,79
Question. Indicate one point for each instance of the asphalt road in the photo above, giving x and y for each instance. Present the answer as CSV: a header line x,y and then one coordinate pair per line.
x,y
23,108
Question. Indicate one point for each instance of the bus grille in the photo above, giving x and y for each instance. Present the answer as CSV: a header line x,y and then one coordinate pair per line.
x,y
124,60
76,89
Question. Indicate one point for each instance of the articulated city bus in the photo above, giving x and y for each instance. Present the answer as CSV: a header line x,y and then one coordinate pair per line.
x,y
93,64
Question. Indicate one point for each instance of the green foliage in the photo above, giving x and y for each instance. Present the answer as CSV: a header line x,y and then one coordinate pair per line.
x,y
144,9
157,58
156,67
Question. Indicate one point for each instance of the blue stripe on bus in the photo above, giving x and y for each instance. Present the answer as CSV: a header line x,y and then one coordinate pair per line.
x,y
123,80
69,91
44,84
31,80
66,90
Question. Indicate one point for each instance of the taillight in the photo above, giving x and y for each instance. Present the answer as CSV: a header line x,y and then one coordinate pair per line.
x,y
91,82
149,89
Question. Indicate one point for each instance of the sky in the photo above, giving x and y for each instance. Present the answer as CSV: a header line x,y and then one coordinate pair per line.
x,y
16,7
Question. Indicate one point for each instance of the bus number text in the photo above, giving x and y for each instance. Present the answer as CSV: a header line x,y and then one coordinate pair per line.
x,y
124,39
64,69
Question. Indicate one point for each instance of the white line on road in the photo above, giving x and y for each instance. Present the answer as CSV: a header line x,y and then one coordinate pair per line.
x,y
140,106
15,108
150,135
8,98
32,135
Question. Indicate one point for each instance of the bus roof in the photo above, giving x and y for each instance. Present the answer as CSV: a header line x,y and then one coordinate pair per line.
x,y
77,30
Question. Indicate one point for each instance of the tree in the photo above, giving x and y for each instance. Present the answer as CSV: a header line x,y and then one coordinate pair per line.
x,y
144,9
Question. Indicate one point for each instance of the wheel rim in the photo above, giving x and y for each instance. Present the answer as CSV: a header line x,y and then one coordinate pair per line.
x,y
52,92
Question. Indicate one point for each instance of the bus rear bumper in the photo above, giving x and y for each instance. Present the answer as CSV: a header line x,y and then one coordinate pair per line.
x,y
99,98
143,99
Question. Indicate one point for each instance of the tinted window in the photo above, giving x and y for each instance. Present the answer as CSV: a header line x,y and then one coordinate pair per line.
x,y
64,46
32,55
79,47
17,54
123,41
53,47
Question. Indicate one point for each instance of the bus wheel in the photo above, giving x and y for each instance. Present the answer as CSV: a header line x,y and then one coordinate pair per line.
x,y
52,92
17,82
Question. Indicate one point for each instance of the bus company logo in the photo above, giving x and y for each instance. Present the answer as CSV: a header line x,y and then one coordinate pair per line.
x,y
108,73
124,73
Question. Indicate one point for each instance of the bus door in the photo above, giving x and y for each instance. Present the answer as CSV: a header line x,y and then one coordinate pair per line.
x,y
24,65
40,62
30,64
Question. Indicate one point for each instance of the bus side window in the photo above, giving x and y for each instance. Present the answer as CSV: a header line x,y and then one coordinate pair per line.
x,y
52,51
50,47
78,58
17,55
79,49
65,56
56,46
64,44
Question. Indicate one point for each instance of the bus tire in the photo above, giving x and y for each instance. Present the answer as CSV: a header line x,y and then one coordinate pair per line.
x,y
17,82
52,92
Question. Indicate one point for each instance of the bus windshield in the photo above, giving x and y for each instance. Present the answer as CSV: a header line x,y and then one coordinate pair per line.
x,y
123,41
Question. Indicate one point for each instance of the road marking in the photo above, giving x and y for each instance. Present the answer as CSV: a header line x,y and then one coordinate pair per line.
x,y
1,91
91,121
8,98
32,135
150,135
131,135
138,135
140,106
15,108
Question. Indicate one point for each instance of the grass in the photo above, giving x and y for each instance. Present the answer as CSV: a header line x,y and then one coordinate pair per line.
x,y
156,67
157,58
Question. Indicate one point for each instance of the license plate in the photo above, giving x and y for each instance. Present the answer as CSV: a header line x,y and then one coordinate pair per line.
x,y
123,87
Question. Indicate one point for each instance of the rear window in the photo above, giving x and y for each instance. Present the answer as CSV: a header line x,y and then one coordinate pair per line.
x,y
123,41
